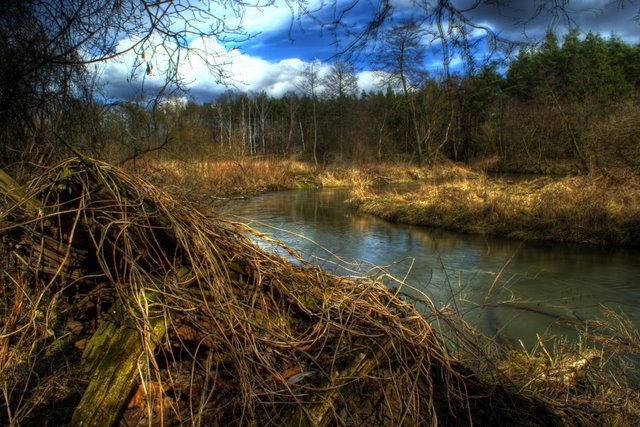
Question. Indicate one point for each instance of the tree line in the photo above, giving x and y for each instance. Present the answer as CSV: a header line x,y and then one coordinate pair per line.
x,y
568,106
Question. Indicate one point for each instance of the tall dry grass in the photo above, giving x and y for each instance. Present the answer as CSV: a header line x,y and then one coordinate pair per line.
x,y
222,178
601,208
247,175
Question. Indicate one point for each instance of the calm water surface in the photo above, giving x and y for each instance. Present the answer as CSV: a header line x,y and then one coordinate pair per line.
x,y
540,282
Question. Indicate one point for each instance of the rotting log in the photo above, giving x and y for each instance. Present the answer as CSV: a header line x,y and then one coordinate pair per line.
x,y
113,358
16,198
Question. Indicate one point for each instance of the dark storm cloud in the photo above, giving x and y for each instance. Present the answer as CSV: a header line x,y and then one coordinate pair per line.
x,y
514,20
522,20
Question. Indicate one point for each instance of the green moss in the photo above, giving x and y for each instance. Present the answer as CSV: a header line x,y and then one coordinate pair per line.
x,y
305,185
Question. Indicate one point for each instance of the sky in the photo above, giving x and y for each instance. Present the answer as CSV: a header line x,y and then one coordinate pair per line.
x,y
282,43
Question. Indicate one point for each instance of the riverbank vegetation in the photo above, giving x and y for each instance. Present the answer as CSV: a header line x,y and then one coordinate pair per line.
x,y
122,305
600,209
219,178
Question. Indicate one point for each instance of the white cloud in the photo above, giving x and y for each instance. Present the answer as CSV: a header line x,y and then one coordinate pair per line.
x,y
201,69
369,81
275,15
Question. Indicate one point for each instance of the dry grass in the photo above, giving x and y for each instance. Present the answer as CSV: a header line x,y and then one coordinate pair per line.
x,y
598,209
222,178
248,338
248,176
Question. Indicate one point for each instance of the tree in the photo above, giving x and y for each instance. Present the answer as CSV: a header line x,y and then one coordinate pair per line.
x,y
401,61
310,83
341,81
49,46
340,85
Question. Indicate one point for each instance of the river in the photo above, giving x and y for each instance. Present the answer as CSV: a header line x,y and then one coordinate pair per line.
x,y
525,285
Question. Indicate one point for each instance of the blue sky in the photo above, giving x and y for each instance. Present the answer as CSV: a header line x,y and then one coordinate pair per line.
x,y
281,45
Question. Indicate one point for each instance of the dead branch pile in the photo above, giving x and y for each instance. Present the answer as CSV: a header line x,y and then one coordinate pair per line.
x,y
121,305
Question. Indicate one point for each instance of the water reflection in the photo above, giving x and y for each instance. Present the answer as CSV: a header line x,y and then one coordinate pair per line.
x,y
568,281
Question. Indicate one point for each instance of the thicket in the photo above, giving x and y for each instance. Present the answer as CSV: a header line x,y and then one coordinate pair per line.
x,y
124,306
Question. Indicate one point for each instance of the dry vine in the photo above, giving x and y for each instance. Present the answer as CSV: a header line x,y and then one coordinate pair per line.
x,y
228,333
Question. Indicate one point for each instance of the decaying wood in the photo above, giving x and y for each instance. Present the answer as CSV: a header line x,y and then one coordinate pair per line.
x,y
113,359
324,405
16,199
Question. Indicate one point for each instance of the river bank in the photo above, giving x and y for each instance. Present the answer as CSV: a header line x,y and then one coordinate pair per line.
x,y
249,176
124,306
599,209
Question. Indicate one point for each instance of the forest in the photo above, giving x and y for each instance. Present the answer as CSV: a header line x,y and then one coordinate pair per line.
x,y
562,107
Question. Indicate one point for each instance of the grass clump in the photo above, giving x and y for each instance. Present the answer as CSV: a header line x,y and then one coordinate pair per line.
x,y
226,177
602,209
221,331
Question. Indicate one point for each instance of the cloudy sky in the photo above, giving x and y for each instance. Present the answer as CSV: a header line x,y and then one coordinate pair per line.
x,y
281,45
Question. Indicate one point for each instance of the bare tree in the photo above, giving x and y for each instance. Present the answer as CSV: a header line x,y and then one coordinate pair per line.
x,y
341,81
401,62
341,85
49,46
310,83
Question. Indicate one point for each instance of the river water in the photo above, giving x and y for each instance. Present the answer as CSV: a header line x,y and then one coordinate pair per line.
x,y
523,287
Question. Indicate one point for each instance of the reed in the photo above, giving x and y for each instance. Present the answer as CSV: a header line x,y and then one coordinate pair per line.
x,y
249,176
601,209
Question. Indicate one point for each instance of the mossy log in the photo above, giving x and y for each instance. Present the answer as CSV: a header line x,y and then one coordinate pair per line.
x,y
113,357
15,198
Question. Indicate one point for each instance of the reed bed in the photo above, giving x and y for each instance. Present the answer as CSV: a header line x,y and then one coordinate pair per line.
x,y
224,178
212,329
600,209
248,176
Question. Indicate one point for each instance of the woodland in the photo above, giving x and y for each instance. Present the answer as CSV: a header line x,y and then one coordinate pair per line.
x,y
566,106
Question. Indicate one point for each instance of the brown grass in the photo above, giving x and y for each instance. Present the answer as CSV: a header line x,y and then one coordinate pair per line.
x,y
249,337
249,176
222,178
602,209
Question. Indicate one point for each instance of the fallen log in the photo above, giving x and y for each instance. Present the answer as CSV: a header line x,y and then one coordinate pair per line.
x,y
113,359
335,392
15,198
